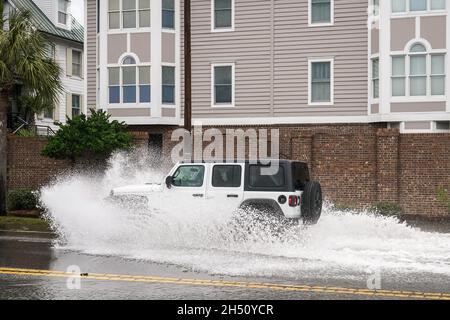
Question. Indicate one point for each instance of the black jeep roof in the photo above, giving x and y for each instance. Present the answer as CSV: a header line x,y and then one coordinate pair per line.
x,y
242,161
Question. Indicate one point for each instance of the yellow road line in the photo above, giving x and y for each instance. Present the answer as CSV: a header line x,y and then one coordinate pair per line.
x,y
227,283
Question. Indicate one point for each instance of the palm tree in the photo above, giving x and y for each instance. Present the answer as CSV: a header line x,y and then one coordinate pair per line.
x,y
23,62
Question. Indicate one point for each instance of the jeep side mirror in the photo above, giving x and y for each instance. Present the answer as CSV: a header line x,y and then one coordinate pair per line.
x,y
169,181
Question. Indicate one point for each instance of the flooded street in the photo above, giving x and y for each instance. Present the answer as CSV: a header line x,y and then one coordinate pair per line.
x,y
34,251
185,249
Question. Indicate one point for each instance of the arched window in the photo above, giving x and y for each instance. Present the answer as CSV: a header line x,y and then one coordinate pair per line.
x,y
128,60
129,82
418,72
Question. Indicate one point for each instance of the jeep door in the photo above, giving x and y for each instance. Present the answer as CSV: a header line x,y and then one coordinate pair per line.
x,y
226,185
189,182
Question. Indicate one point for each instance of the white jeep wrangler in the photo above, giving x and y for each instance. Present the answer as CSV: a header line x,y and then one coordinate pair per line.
x,y
286,191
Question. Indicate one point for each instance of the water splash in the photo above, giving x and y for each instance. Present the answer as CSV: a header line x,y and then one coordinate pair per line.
x,y
203,237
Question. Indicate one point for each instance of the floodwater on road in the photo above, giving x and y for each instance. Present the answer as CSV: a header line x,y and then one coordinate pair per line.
x,y
199,236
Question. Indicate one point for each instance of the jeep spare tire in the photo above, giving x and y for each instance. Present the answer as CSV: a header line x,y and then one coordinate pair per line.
x,y
311,205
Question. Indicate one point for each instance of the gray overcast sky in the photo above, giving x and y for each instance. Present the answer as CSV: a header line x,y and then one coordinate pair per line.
x,y
78,10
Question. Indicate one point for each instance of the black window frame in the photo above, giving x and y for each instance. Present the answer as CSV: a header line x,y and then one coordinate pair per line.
x,y
234,175
191,165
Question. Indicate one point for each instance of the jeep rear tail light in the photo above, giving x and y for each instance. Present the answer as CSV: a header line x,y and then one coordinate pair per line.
x,y
294,201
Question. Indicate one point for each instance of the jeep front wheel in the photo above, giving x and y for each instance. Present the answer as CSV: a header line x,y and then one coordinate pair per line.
x,y
311,205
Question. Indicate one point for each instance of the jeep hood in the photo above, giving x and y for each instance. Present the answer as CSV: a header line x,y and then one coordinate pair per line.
x,y
137,189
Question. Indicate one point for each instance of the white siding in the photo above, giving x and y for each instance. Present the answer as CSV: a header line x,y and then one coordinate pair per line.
x,y
73,84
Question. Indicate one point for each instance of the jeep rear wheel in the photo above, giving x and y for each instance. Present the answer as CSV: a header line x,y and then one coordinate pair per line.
x,y
311,205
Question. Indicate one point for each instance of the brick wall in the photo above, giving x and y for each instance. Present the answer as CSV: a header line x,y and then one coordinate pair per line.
x,y
424,166
27,168
356,164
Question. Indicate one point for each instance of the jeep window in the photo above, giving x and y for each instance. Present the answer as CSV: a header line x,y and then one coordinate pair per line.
x,y
226,176
189,176
260,180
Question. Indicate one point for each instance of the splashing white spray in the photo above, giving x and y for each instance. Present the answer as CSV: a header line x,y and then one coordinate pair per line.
x,y
203,237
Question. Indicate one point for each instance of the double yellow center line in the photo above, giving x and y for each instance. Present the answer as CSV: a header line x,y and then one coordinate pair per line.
x,y
236,284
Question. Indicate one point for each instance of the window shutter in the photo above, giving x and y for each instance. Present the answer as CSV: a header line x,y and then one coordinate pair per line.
x,y
69,105
82,104
56,112
69,61
82,66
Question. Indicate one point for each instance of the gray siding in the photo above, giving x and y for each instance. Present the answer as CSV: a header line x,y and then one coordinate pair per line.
x,y
270,47
91,60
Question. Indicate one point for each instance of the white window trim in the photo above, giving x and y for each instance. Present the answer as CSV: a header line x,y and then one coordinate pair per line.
x,y
310,62
120,11
233,84
428,10
174,18
407,55
119,65
321,24
373,99
80,96
64,25
81,64
213,22
174,103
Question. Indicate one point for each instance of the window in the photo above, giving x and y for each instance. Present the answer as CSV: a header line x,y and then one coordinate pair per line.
x,y
437,4
259,180
321,11
399,6
62,11
398,76
144,13
144,85
168,85
189,176
417,5
114,14
438,74
223,84
223,14
114,85
168,14
76,63
76,105
129,83
129,14
50,50
48,113
375,7
426,73
375,78
321,87
228,176
418,71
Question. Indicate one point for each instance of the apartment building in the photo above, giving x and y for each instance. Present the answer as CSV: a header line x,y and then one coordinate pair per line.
x,y
284,62
66,35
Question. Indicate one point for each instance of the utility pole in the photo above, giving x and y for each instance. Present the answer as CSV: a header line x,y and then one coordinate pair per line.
x,y
187,67
188,138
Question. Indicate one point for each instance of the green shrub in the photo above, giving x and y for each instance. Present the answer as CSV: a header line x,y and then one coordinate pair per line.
x,y
22,199
443,197
26,133
343,206
84,136
386,209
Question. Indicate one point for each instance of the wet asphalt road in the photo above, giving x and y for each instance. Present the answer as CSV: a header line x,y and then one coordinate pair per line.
x,y
34,251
